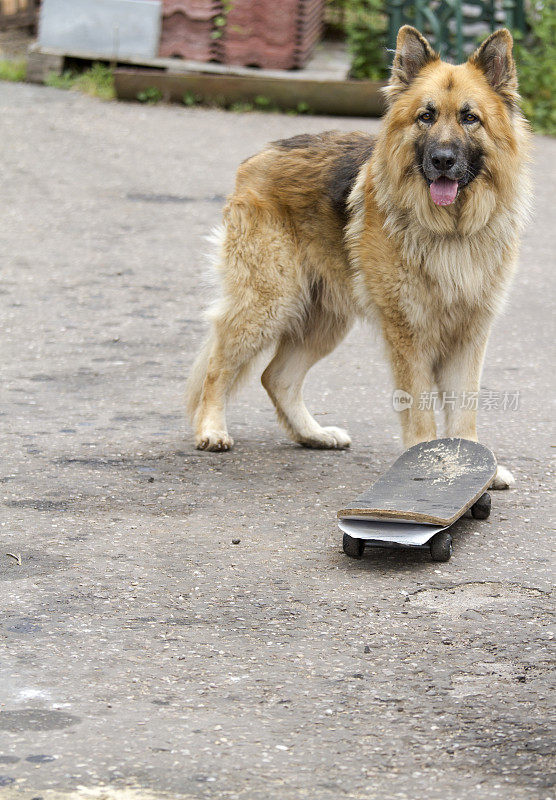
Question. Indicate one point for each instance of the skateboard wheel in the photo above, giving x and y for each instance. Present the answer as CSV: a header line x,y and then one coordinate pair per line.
x,y
353,547
441,546
481,509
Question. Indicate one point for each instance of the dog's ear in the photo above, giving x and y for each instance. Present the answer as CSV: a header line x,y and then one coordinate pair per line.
x,y
494,58
413,52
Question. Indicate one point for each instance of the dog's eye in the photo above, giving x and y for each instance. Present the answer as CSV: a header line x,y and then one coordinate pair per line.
x,y
426,117
469,119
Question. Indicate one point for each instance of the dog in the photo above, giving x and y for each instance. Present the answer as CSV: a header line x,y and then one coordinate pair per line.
x,y
417,230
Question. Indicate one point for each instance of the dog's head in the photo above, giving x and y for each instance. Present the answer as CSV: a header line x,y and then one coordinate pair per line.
x,y
451,128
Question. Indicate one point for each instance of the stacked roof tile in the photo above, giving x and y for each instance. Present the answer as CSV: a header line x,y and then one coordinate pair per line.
x,y
188,27
273,34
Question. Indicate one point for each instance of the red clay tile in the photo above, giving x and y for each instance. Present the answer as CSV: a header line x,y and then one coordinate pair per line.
x,y
187,28
269,34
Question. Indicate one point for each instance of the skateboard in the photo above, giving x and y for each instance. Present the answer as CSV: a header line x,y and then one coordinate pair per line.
x,y
423,493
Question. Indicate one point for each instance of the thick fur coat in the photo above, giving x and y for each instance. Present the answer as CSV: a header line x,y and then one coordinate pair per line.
x,y
418,230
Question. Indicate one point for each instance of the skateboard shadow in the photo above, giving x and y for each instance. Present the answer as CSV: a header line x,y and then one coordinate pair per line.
x,y
412,559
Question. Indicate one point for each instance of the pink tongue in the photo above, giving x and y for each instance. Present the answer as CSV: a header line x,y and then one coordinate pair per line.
x,y
443,191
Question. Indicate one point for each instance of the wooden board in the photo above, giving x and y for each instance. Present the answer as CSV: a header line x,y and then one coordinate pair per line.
x,y
17,13
352,98
13,6
432,482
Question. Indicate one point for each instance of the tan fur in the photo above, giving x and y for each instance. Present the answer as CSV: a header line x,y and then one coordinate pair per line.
x,y
295,273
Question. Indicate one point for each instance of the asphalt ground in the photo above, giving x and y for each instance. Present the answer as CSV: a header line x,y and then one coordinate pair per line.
x,y
144,654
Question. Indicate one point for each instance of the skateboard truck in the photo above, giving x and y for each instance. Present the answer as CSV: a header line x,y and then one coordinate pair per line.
x,y
415,502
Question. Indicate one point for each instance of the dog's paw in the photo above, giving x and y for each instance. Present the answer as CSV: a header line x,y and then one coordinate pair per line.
x,y
341,437
327,439
218,441
503,479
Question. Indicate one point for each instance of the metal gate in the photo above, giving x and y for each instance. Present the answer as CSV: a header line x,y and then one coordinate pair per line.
x,y
454,27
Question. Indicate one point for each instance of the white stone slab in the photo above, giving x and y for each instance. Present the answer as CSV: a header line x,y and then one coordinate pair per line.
x,y
112,28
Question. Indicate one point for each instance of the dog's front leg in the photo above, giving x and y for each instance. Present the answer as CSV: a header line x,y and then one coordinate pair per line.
x,y
458,378
413,395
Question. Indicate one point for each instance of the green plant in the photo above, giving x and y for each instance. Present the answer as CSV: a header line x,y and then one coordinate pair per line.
x,y
64,81
98,81
221,20
150,95
263,103
239,107
536,64
189,99
259,103
334,16
13,70
366,28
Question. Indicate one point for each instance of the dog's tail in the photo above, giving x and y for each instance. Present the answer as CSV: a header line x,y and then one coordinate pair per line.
x,y
214,256
194,386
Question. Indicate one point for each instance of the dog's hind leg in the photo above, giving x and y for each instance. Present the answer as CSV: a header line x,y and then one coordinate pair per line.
x,y
235,340
284,376
256,309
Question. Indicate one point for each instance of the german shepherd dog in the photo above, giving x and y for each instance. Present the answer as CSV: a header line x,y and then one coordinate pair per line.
x,y
418,230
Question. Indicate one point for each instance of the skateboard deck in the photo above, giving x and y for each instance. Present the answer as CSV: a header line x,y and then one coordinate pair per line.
x,y
426,490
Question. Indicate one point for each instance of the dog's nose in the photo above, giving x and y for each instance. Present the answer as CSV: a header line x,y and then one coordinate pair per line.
x,y
443,159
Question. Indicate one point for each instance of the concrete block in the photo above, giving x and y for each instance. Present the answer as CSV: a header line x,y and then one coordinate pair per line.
x,y
109,28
